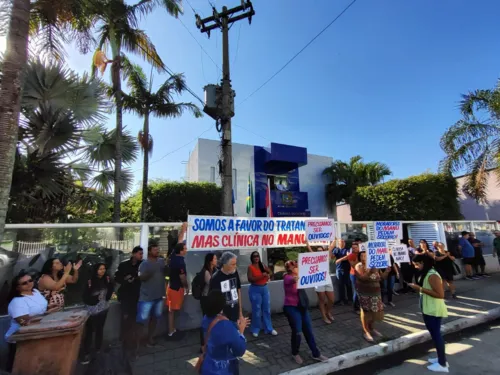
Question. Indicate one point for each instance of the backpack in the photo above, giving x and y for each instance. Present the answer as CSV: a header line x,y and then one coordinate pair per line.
x,y
198,285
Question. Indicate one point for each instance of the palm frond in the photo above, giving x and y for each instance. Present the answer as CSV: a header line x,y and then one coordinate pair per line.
x,y
477,181
137,41
173,110
103,181
478,100
173,7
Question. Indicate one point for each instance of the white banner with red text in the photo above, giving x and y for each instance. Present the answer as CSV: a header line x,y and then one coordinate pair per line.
x,y
227,232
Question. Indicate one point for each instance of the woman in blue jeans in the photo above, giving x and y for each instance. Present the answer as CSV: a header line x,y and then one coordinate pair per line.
x,y
430,287
295,309
258,276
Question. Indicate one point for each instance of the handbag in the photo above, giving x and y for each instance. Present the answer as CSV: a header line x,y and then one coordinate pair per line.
x,y
201,358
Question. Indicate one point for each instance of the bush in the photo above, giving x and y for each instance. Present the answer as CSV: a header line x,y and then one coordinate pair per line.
x,y
171,201
424,197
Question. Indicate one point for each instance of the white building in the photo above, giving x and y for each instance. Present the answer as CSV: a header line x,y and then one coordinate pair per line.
x,y
297,183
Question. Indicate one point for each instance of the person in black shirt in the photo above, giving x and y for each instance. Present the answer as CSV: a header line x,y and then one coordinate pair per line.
x,y
178,285
387,284
128,293
479,264
228,282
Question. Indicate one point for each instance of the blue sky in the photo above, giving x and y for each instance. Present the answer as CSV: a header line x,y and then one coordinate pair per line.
x,y
382,82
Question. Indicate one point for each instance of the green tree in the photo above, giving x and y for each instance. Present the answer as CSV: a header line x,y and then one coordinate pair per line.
x,y
346,177
117,25
472,144
145,103
64,158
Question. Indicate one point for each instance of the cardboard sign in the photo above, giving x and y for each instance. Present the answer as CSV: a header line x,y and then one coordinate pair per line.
x,y
313,269
377,255
388,230
320,231
229,232
400,254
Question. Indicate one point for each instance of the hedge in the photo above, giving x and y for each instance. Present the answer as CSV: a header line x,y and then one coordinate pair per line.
x,y
171,201
424,197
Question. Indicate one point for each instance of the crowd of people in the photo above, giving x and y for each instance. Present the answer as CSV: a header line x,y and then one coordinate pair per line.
x,y
143,295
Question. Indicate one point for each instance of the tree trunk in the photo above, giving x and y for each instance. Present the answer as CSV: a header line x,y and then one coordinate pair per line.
x,y
13,66
117,88
145,170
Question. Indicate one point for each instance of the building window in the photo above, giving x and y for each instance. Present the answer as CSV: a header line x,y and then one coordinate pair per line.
x,y
235,184
212,174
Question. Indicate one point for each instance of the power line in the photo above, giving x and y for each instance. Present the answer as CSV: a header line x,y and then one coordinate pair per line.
x,y
298,53
237,45
177,149
169,71
203,49
254,133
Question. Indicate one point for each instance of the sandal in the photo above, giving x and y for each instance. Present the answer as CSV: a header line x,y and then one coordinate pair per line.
x,y
377,333
327,321
368,337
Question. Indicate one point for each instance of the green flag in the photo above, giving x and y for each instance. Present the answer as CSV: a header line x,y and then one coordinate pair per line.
x,y
249,195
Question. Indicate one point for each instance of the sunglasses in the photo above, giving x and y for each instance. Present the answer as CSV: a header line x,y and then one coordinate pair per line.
x,y
26,282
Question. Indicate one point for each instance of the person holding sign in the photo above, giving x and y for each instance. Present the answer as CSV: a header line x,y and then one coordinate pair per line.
x,y
258,275
369,294
228,282
430,287
295,308
325,294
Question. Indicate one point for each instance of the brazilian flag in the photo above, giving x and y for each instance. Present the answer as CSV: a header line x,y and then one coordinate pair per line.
x,y
250,203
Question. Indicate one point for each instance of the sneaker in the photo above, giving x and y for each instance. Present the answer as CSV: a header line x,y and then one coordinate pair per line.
x,y
468,278
476,277
486,275
85,360
435,360
392,304
255,334
436,367
321,358
274,333
395,293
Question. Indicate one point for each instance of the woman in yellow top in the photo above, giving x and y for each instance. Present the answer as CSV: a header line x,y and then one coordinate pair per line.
x,y
431,290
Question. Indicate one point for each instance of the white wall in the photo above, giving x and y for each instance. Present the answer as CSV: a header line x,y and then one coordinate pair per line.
x,y
312,181
206,155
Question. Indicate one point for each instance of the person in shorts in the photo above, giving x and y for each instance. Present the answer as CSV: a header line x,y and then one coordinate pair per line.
x,y
178,285
468,255
150,306
325,292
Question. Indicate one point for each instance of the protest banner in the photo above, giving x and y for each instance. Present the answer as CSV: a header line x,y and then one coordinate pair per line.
x,y
320,231
400,254
388,230
378,255
229,232
313,269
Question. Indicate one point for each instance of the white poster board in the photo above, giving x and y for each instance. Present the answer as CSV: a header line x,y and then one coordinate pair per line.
x,y
388,230
320,231
400,254
313,269
377,255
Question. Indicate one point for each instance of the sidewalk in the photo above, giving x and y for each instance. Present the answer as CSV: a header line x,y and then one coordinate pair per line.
x,y
271,355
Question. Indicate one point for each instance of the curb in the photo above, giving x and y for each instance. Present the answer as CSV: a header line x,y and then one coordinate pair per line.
x,y
361,356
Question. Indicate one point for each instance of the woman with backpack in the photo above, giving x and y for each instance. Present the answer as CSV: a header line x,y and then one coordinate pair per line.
x,y
96,296
201,283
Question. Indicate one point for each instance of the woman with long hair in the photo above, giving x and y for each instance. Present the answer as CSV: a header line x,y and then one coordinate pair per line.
x,y
25,304
430,287
208,269
259,275
444,266
96,296
53,279
296,310
423,249
325,294
370,297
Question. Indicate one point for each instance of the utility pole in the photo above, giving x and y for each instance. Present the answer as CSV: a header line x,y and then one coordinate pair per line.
x,y
223,110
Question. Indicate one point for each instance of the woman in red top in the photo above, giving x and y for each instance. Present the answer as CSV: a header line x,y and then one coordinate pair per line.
x,y
258,276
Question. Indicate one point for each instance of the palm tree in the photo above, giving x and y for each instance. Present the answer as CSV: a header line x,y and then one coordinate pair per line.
x,y
62,157
472,144
160,104
117,27
347,177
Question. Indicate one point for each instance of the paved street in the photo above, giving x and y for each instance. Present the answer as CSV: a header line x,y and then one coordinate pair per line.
x,y
271,355
476,354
